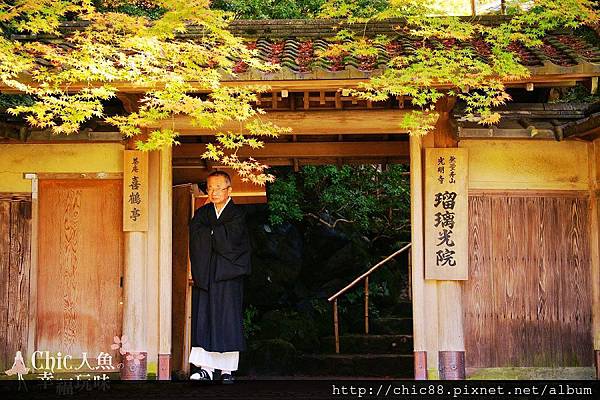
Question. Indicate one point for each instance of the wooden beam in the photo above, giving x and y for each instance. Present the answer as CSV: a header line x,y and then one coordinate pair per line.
x,y
307,122
305,150
400,101
274,100
338,100
80,175
130,101
494,132
589,135
333,84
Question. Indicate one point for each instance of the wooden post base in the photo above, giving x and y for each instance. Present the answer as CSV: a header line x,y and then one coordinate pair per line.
x,y
132,371
452,365
597,363
164,367
420,365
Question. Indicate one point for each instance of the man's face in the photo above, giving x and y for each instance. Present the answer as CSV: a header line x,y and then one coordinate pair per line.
x,y
218,189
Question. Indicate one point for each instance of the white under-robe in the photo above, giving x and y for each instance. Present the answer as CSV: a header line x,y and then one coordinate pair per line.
x,y
227,361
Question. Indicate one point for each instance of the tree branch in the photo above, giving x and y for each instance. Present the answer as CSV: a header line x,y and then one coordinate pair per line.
x,y
332,226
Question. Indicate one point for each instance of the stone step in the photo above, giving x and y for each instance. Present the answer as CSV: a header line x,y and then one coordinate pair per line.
x,y
369,344
379,365
391,326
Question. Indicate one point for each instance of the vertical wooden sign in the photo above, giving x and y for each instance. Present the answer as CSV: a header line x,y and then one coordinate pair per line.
x,y
135,191
446,214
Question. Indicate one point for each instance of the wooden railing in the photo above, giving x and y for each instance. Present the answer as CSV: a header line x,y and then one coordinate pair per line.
x,y
364,276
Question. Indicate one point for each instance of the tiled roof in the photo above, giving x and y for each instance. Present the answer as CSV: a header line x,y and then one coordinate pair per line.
x,y
294,45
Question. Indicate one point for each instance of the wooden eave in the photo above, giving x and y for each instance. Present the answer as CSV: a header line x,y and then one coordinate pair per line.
x,y
586,128
536,121
568,78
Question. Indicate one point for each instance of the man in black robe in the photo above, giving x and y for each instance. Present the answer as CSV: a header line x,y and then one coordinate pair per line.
x,y
220,258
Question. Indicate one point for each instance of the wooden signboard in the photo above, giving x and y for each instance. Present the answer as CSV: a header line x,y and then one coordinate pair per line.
x,y
135,191
446,214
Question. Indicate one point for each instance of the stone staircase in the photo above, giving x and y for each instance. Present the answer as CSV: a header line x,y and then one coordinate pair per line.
x,y
386,352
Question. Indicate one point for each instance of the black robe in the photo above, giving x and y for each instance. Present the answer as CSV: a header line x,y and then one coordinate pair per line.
x,y
219,263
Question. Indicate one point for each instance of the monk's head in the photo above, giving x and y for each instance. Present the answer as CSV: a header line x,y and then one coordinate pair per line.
x,y
218,187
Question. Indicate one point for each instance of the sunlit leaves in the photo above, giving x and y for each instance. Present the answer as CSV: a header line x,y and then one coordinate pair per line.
x,y
71,74
228,143
249,170
445,52
158,139
265,128
63,112
40,16
419,122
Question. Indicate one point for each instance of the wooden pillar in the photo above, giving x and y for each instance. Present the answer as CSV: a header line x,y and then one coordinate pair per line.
x,y
430,286
134,302
134,310
165,262
451,350
594,176
152,262
417,256
451,337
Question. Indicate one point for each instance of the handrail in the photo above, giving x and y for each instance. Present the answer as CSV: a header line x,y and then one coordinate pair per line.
x,y
380,263
364,276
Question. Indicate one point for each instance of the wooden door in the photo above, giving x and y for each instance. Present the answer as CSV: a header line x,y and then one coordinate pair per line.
x,y
527,301
80,264
15,264
182,294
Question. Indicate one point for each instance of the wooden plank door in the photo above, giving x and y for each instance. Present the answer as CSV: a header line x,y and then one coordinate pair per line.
x,y
181,314
15,266
527,301
80,265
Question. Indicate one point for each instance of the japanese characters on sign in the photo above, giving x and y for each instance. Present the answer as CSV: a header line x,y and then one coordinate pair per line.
x,y
446,214
135,191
